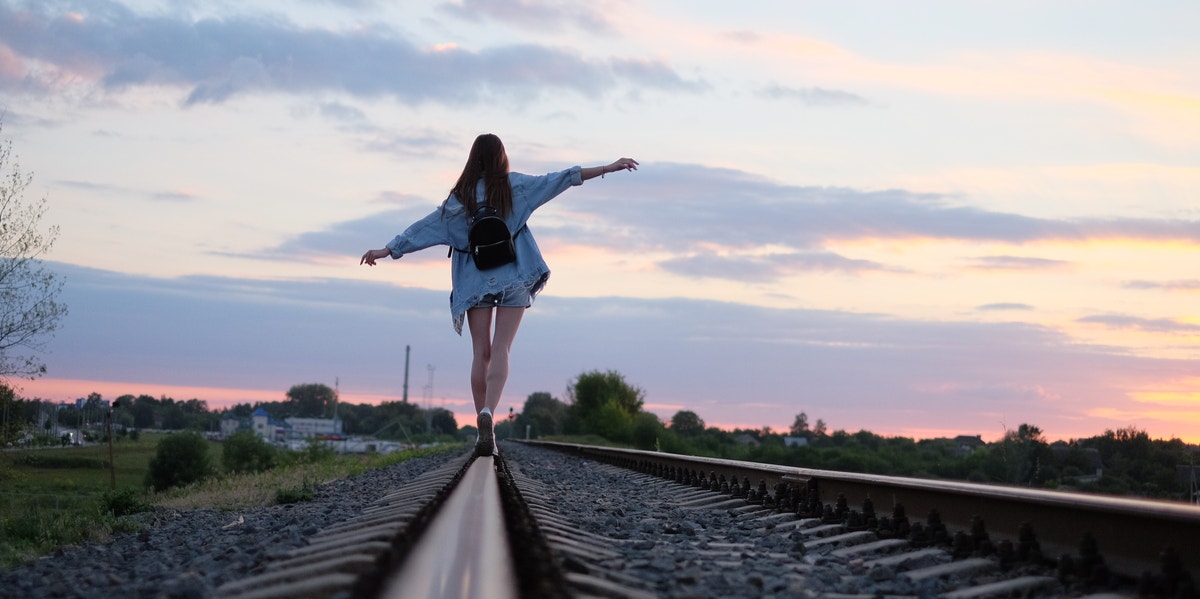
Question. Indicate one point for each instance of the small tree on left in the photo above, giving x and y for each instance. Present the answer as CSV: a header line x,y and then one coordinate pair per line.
x,y
29,306
180,460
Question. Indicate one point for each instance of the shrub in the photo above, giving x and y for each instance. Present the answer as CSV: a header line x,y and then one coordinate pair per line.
x,y
646,431
181,459
316,451
123,502
245,451
294,495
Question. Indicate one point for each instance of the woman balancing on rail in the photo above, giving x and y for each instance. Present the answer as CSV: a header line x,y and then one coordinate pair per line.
x,y
484,284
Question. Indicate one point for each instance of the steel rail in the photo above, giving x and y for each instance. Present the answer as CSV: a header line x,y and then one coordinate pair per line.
x,y
441,538
1132,534
464,552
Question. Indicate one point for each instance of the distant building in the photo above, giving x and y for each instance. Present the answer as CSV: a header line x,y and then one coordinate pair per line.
x,y
313,427
231,424
795,441
281,431
747,439
967,443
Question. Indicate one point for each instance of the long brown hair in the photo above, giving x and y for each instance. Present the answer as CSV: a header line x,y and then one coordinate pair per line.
x,y
487,161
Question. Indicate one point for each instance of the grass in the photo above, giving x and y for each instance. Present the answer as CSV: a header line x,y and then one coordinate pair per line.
x,y
239,491
56,497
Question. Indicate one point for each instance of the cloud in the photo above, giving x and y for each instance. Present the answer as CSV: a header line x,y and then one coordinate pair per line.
x,y
119,190
1178,285
723,223
1016,263
346,238
813,96
1004,306
765,268
540,15
1152,325
218,59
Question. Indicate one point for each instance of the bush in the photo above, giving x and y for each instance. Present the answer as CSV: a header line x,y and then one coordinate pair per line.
x,y
316,451
44,460
294,495
646,431
181,459
123,502
245,451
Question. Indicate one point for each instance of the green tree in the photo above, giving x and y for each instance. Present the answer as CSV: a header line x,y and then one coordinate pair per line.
x,y
820,428
29,306
646,431
12,415
310,400
181,459
800,425
1022,457
145,411
543,414
604,404
245,451
173,417
687,423
442,422
610,421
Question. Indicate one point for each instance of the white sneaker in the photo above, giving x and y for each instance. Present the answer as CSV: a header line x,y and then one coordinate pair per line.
x,y
487,437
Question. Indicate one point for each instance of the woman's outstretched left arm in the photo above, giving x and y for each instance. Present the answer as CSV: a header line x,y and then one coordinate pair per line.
x,y
623,164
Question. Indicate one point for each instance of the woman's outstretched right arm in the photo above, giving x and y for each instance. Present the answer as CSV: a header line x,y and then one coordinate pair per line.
x,y
623,164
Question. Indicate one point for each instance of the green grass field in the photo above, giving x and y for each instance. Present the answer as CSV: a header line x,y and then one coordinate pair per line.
x,y
51,497
55,497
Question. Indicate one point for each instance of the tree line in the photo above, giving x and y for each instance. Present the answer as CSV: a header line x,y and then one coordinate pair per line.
x,y
24,419
602,405
1122,462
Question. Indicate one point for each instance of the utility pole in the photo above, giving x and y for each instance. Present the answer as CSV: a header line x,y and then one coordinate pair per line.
x,y
112,465
336,382
429,400
407,351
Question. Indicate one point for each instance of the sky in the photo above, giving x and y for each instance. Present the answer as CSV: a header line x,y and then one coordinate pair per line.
x,y
921,219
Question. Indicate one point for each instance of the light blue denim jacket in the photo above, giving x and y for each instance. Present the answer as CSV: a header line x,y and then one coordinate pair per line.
x,y
447,225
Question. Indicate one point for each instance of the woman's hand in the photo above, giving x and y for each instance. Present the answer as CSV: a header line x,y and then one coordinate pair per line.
x,y
623,164
371,256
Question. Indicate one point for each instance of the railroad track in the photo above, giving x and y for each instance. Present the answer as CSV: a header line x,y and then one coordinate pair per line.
x,y
676,526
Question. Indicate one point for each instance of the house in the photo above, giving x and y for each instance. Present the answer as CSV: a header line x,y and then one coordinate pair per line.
x,y
230,424
965,444
315,427
795,441
268,428
280,431
747,439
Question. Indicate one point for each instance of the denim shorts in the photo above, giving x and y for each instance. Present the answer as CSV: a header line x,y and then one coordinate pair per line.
x,y
511,298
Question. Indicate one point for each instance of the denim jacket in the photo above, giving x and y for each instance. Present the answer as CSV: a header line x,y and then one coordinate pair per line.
x,y
447,225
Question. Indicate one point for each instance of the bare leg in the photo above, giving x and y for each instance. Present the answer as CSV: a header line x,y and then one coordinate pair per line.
x,y
489,366
507,322
479,321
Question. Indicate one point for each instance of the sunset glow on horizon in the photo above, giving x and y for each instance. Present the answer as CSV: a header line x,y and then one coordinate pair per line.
x,y
906,220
